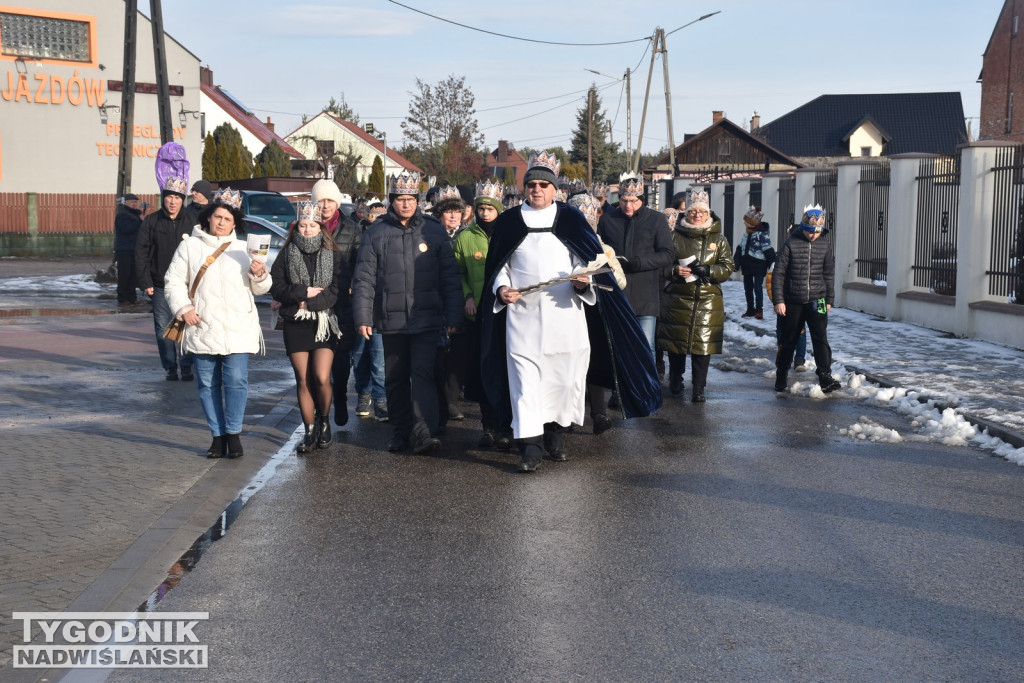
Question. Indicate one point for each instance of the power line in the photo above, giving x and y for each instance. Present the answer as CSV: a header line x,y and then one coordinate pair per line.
x,y
505,35
530,116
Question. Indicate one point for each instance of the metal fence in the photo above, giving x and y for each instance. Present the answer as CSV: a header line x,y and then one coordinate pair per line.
x,y
825,192
63,213
1006,257
938,201
727,219
787,209
873,231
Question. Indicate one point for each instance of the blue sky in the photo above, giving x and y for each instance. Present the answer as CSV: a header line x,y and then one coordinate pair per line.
x,y
285,59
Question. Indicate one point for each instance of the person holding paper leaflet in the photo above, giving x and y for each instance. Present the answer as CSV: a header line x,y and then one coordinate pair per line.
x,y
694,323
222,323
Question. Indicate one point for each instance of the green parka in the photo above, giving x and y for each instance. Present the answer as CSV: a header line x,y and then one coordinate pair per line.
x,y
471,254
693,314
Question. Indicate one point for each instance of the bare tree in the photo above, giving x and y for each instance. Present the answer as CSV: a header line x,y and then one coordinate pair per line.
x,y
442,128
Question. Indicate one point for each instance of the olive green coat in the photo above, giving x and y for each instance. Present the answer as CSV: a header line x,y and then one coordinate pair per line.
x,y
693,314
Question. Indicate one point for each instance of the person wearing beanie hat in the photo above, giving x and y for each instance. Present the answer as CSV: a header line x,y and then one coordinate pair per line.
x,y
694,322
407,287
803,289
326,189
471,247
754,254
536,345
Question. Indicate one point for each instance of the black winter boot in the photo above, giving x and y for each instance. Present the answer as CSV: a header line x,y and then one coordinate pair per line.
x,y
235,446
323,434
827,382
781,377
216,449
308,441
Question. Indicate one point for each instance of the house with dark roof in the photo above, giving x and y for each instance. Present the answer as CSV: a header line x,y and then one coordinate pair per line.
x,y
325,135
723,149
217,106
832,128
1002,79
505,157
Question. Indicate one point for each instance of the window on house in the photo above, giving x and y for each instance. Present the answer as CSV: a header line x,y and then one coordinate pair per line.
x,y
1009,114
724,147
865,151
46,37
325,148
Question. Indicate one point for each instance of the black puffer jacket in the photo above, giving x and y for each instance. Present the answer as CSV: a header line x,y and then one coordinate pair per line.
x,y
805,270
159,238
645,240
406,277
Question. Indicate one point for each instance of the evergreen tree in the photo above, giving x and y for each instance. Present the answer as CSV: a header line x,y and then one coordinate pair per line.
x,y
231,160
592,123
377,180
272,162
210,153
509,178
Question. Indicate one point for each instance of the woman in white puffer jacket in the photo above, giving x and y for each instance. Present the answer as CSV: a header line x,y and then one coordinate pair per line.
x,y
222,323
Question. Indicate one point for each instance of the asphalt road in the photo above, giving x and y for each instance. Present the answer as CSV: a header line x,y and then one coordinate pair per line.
x,y
744,539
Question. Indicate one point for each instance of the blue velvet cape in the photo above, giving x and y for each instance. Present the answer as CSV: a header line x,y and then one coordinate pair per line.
x,y
620,356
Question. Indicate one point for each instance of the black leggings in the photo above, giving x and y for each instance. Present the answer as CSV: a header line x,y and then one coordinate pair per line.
x,y
699,364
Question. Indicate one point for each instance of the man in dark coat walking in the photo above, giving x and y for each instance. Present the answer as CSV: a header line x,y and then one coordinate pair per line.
x,y
407,287
126,234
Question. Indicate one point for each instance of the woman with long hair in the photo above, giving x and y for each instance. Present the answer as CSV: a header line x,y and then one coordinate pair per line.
x,y
306,277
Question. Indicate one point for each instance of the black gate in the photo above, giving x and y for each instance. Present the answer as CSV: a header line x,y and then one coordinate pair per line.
x,y
938,202
825,191
1006,258
787,209
728,211
873,232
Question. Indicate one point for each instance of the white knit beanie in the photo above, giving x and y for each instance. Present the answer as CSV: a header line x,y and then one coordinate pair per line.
x,y
326,189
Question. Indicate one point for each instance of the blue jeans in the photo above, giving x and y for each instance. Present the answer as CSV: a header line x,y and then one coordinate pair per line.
x,y
162,315
223,389
368,366
649,324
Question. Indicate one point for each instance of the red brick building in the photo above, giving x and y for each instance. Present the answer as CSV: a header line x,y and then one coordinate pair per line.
x,y
506,156
1002,77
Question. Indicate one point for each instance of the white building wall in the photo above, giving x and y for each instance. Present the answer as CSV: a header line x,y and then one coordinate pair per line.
x,y
48,143
326,128
215,116
866,136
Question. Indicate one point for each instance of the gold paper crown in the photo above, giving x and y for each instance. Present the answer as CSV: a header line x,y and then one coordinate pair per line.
x,y
450,192
308,211
672,215
813,218
587,205
406,183
490,190
600,190
631,186
545,160
176,185
228,197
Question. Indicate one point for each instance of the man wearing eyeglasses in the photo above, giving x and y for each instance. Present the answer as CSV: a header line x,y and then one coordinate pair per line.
x,y
537,347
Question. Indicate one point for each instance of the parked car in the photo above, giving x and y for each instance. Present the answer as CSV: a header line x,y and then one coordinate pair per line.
x,y
270,206
254,225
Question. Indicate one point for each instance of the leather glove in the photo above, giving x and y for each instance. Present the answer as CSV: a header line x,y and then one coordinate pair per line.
x,y
700,271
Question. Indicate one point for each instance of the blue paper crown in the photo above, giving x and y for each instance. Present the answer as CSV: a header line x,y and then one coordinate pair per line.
x,y
813,219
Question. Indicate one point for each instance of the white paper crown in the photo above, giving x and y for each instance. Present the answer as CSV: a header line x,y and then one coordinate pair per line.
x,y
450,192
176,185
577,186
490,190
753,216
406,183
813,218
545,160
228,197
561,195
631,185
698,197
600,190
376,211
672,215
308,211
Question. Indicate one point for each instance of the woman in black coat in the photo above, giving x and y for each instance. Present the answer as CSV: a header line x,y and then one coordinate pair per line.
x,y
306,278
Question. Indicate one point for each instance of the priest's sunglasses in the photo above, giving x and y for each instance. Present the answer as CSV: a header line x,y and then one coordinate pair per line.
x,y
542,184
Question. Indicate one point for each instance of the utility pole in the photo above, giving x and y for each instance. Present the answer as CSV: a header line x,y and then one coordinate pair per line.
x,y
629,120
643,116
160,62
668,101
124,161
590,142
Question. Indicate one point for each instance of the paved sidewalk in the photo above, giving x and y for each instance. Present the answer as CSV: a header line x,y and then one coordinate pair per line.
x,y
105,485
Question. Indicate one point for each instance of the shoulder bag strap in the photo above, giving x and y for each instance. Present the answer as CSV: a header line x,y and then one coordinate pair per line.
x,y
209,260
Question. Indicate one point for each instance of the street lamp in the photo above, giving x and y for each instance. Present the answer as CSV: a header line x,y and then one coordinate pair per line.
x,y
629,112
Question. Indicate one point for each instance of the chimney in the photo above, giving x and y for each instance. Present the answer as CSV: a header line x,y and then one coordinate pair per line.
x,y
270,125
755,122
717,115
206,75
502,151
